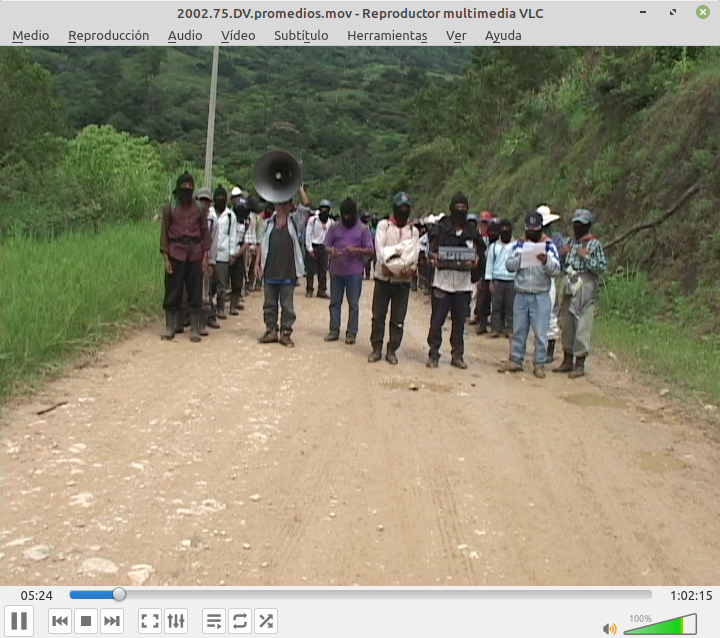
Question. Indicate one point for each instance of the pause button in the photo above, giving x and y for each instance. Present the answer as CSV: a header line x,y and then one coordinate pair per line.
x,y
18,620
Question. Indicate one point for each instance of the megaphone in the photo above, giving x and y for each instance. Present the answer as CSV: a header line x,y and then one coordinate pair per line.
x,y
277,176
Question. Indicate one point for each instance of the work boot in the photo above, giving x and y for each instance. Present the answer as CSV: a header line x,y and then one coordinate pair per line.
x,y
323,295
391,357
212,321
432,362
170,325
285,339
375,355
203,322
457,362
270,336
332,336
510,366
550,351
566,365
221,308
308,293
195,327
579,370
481,328
539,372
235,305
350,340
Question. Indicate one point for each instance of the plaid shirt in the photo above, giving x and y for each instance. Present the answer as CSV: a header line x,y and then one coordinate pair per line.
x,y
595,262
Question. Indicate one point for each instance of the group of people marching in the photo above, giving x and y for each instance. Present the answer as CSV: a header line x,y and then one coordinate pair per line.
x,y
218,247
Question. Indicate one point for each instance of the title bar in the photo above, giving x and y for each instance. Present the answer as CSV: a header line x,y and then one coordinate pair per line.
x,y
158,23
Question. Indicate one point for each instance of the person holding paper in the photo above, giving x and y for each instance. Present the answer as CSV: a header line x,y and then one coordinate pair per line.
x,y
536,263
452,284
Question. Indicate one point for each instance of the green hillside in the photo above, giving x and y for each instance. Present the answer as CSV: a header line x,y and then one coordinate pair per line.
x,y
343,111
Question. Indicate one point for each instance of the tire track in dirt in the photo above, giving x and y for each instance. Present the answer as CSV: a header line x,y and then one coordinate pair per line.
x,y
476,478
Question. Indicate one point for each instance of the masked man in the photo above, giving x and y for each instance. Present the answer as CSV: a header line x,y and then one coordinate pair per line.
x,y
184,243
317,259
392,290
452,282
348,245
585,261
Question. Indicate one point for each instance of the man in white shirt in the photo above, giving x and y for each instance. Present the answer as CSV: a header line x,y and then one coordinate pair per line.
x,y
317,260
392,290
227,247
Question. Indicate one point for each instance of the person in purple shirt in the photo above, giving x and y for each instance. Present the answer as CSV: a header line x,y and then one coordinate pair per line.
x,y
349,244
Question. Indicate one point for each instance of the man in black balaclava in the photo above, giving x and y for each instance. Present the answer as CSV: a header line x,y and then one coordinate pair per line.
x,y
348,244
452,282
184,244
317,259
227,247
392,289
501,281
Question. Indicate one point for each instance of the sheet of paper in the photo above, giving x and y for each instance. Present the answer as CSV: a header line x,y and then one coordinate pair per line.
x,y
529,254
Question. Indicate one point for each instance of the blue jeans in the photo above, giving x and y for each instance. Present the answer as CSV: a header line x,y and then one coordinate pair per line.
x,y
530,310
341,285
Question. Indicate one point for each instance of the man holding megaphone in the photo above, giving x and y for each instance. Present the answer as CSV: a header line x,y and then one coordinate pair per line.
x,y
279,264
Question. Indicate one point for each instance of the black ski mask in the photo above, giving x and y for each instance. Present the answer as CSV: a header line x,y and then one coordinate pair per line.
x,y
534,235
459,209
348,213
220,198
324,215
505,231
185,194
401,214
580,230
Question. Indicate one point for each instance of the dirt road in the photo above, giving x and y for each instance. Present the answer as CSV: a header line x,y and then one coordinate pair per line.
x,y
269,466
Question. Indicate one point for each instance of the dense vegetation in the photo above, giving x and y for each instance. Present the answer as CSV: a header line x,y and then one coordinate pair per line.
x,y
91,137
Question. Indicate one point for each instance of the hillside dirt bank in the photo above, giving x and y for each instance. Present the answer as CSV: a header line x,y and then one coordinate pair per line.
x,y
230,462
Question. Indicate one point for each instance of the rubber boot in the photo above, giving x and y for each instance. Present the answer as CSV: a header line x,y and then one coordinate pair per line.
x,y
235,304
180,322
185,317
195,326
204,322
550,351
566,365
221,308
579,370
170,324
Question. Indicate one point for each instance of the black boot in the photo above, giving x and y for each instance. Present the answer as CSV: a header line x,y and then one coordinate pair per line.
x,y
235,305
170,323
579,370
550,351
180,322
195,326
204,322
221,308
566,365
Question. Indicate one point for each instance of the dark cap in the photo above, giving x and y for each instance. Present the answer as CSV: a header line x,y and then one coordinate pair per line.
x,y
534,221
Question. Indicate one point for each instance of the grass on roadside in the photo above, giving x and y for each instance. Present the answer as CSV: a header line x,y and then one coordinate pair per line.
x,y
654,337
65,296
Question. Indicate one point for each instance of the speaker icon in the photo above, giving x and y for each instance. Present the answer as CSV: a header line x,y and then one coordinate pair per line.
x,y
610,629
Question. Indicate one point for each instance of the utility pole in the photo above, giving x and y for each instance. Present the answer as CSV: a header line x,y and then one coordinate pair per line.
x,y
207,182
